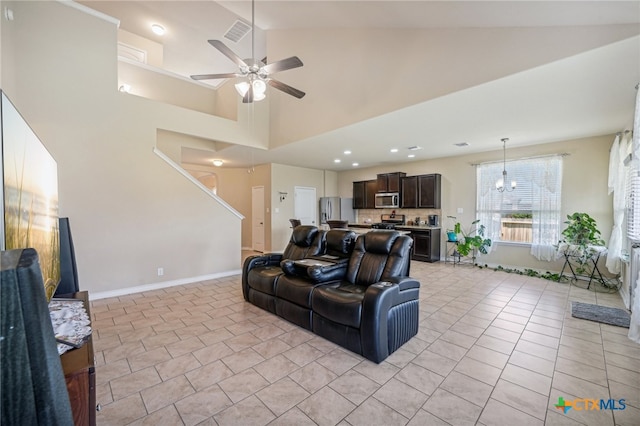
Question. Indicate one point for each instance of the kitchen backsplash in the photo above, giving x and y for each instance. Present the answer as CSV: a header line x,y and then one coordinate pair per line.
x,y
373,215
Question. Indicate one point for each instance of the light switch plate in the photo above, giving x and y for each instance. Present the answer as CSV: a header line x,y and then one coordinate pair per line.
x,y
460,210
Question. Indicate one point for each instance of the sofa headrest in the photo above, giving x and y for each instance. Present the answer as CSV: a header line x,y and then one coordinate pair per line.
x,y
379,242
303,235
339,242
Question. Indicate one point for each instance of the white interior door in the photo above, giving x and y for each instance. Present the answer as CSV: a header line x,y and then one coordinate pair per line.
x,y
305,205
257,218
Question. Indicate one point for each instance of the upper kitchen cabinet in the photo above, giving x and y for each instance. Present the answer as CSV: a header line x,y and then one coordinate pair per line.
x,y
429,191
364,194
409,187
389,182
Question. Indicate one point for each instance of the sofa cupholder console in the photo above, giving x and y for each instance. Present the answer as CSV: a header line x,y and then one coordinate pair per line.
x,y
355,292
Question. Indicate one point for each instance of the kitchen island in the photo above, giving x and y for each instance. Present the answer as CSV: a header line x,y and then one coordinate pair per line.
x,y
426,239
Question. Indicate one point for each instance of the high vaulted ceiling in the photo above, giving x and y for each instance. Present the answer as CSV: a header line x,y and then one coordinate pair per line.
x,y
586,94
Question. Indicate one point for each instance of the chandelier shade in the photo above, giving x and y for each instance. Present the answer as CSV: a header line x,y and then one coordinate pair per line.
x,y
501,183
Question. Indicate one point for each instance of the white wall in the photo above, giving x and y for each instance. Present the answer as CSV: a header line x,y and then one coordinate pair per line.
x,y
129,211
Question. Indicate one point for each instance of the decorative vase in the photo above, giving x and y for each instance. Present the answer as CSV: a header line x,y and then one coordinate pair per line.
x,y
452,237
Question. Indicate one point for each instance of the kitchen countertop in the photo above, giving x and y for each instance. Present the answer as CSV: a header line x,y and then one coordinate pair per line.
x,y
399,227
362,230
418,227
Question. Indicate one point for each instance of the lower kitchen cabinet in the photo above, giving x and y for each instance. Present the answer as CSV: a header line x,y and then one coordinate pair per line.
x,y
426,245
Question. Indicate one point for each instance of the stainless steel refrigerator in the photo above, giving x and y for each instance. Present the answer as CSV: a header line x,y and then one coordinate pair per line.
x,y
336,208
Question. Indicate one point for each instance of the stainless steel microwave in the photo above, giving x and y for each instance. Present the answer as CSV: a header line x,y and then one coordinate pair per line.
x,y
387,200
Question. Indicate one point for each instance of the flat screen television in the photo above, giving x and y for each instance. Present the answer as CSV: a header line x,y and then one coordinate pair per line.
x,y
29,194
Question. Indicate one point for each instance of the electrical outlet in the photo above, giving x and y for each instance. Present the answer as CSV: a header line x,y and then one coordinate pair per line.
x,y
160,272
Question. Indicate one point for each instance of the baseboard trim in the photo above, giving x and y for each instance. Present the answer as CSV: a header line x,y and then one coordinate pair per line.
x,y
156,286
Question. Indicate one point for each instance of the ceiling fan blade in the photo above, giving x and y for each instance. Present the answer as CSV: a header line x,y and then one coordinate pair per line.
x,y
215,76
282,65
227,52
286,88
248,97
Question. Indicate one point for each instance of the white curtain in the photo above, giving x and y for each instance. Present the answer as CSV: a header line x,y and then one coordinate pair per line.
x,y
489,201
617,184
634,328
545,209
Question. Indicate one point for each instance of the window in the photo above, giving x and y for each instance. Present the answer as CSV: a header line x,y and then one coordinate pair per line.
x,y
531,212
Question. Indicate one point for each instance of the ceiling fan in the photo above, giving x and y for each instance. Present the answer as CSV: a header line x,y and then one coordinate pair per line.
x,y
257,73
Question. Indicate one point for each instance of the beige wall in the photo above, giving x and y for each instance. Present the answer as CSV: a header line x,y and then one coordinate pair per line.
x,y
584,188
286,178
330,184
150,84
155,51
429,64
130,212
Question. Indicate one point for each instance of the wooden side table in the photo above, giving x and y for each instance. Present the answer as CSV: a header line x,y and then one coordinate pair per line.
x,y
79,370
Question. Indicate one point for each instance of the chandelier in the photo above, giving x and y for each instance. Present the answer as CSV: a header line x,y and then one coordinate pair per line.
x,y
500,184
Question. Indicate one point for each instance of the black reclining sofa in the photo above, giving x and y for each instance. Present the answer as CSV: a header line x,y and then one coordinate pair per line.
x,y
355,292
260,273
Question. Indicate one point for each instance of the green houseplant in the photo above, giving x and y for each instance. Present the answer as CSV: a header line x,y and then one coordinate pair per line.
x,y
471,239
580,235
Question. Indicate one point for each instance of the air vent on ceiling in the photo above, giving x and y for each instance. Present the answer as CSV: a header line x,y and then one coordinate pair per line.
x,y
414,148
461,144
237,31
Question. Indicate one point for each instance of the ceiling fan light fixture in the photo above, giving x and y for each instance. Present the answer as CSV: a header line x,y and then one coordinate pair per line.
x,y
256,72
218,163
259,89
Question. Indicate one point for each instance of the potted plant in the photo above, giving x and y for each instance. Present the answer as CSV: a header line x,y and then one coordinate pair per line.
x,y
452,235
472,239
580,237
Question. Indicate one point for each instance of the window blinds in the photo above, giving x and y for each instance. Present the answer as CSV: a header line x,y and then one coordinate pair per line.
x,y
633,202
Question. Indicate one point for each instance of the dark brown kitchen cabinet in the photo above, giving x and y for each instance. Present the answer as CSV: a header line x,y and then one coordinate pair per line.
x,y
389,182
409,187
429,191
371,187
426,245
364,194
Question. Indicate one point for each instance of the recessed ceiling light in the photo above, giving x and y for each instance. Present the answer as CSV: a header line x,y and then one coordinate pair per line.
x,y
337,160
411,155
394,149
218,163
157,29
347,152
355,164
461,144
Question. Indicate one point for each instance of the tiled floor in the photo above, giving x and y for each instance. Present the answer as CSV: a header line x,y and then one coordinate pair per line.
x,y
493,348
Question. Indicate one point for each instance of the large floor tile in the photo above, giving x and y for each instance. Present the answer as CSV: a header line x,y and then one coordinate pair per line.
x,y
492,348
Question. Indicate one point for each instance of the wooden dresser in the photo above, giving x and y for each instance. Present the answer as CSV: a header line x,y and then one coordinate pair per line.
x,y
80,374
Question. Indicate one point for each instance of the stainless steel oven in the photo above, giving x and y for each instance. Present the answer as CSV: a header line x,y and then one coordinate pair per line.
x,y
387,200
